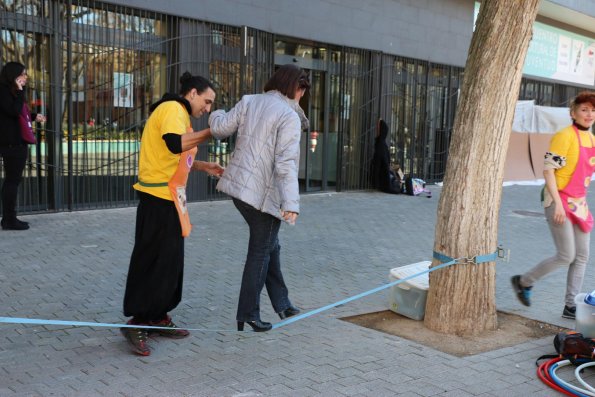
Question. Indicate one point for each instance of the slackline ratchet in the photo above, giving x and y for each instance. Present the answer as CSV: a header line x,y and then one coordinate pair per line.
x,y
445,262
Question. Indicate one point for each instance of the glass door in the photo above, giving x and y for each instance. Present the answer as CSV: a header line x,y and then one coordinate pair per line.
x,y
312,154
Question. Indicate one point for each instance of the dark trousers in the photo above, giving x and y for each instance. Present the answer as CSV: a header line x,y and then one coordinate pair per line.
x,y
263,264
156,272
14,159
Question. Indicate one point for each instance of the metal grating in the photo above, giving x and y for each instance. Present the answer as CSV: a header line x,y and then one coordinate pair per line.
x,y
95,68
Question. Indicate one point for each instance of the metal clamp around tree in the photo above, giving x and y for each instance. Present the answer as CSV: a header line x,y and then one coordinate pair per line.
x,y
500,252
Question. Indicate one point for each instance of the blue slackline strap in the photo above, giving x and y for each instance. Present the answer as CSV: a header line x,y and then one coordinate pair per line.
x,y
446,261
18,320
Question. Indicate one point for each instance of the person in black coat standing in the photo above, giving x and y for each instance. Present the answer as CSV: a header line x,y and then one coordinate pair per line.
x,y
13,149
385,180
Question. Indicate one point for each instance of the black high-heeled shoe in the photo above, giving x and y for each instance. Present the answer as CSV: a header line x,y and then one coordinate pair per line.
x,y
290,311
257,326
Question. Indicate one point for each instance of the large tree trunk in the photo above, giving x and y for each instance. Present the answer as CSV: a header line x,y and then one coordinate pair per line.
x,y
461,298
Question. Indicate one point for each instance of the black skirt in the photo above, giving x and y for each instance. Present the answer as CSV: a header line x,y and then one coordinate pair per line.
x,y
155,275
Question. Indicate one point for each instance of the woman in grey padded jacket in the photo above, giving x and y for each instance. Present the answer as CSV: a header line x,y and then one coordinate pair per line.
x,y
262,179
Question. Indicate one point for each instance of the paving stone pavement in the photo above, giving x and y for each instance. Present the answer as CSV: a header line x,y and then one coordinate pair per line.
x,y
72,266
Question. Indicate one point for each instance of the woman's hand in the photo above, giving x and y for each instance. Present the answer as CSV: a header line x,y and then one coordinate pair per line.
x,y
212,169
559,214
552,188
290,217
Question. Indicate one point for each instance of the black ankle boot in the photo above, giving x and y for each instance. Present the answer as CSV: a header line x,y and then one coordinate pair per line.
x,y
290,311
14,224
257,326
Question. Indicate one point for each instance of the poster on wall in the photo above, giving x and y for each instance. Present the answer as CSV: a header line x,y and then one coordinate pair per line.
x,y
123,90
561,55
78,90
558,54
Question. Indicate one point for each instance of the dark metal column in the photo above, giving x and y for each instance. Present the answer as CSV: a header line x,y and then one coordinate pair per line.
x,y
68,99
54,133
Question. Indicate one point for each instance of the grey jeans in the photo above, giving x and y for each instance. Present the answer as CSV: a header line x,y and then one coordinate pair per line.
x,y
572,246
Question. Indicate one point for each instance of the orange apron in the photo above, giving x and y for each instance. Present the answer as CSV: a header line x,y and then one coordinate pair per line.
x,y
177,189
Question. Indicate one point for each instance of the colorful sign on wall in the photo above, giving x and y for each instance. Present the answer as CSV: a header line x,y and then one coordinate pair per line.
x,y
558,54
561,55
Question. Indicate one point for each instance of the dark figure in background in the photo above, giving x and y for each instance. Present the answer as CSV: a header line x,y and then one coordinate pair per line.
x,y
385,179
13,149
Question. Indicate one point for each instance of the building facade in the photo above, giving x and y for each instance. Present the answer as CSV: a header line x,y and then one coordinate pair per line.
x,y
96,66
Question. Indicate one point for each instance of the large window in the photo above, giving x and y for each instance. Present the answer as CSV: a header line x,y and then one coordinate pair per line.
x,y
25,7
95,68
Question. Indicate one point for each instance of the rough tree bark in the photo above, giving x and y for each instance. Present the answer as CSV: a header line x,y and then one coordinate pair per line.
x,y
461,298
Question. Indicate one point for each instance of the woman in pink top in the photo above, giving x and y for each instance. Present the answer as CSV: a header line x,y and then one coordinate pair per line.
x,y
565,203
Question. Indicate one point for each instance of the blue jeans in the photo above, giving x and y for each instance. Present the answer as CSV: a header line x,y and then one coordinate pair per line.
x,y
263,264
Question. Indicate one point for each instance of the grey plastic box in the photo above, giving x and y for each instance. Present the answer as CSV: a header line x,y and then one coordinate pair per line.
x,y
409,297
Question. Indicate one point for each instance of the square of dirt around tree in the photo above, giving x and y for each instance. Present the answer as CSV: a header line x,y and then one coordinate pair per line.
x,y
512,330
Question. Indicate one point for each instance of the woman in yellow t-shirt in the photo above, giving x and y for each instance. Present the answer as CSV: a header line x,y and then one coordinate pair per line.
x,y
154,282
569,166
